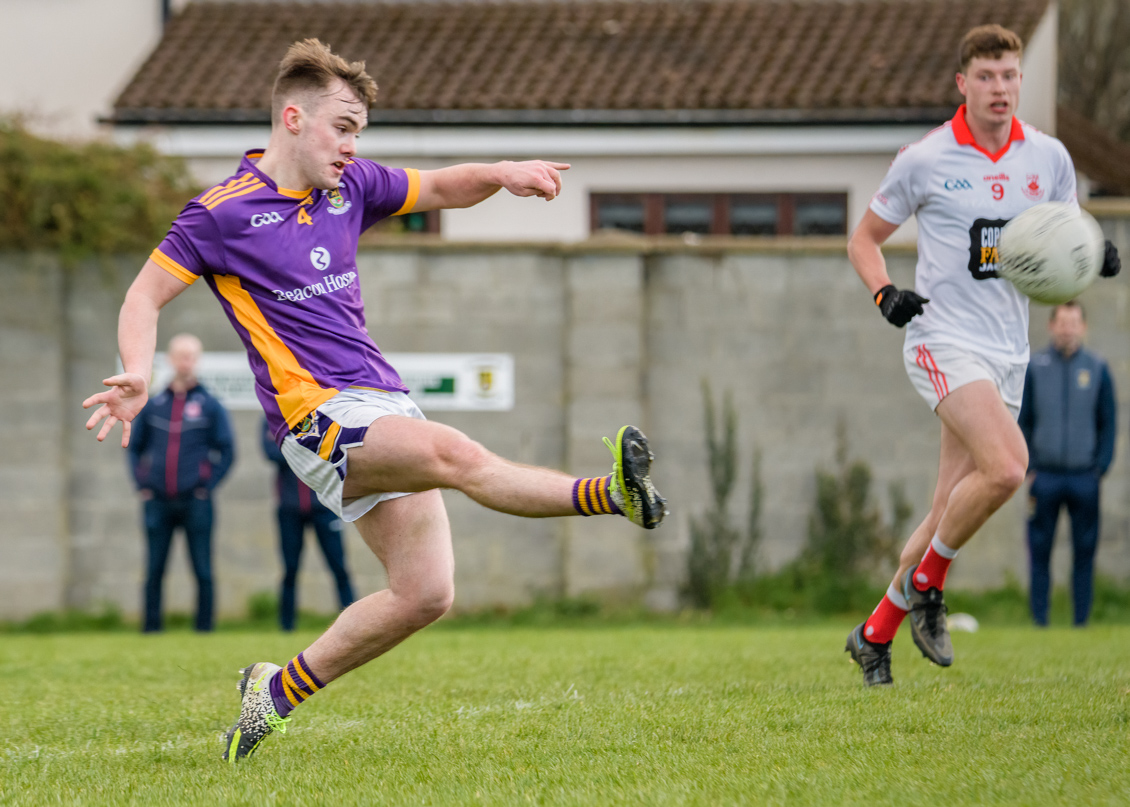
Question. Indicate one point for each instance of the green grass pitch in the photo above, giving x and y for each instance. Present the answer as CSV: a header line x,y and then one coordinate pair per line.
x,y
643,715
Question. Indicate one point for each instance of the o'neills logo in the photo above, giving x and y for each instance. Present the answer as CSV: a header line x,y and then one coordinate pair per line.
x,y
327,285
996,178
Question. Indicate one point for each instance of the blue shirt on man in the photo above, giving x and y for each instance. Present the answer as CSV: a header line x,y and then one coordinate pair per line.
x,y
1068,413
181,442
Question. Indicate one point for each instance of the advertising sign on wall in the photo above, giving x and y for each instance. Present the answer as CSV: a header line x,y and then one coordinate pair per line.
x,y
452,382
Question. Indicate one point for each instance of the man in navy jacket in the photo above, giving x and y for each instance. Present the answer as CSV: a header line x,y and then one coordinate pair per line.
x,y
1068,417
180,451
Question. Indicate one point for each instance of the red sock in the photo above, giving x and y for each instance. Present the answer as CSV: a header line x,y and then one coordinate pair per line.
x,y
884,622
931,572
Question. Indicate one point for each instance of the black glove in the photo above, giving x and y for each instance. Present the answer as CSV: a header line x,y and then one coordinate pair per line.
x,y
1112,264
899,307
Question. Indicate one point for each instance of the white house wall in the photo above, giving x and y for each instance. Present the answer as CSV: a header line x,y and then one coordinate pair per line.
x,y
1039,65
851,160
567,218
67,60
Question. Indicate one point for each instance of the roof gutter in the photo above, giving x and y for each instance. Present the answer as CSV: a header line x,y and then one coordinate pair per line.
x,y
125,116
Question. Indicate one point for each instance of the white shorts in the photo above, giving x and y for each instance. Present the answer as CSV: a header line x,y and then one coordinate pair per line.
x,y
937,371
315,449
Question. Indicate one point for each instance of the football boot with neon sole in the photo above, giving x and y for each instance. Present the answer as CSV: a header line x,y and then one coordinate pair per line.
x,y
631,487
257,715
928,620
874,659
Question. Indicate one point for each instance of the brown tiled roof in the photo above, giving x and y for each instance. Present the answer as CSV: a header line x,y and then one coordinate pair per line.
x,y
582,62
1102,157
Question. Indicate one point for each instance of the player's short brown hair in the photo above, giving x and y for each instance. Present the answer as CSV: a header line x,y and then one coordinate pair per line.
x,y
988,42
310,66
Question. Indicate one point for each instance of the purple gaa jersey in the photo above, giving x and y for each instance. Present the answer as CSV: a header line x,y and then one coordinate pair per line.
x,y
283,264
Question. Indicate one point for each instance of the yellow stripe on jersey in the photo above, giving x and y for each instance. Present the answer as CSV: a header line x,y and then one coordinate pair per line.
x,y
214,197
298,393
326,447
413,192
219,190
295,194
172,267
242,191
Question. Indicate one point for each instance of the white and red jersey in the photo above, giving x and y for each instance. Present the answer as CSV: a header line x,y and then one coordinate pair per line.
x,y
963,196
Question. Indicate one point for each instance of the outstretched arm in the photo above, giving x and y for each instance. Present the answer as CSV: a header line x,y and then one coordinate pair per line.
x,y
151,290
470,183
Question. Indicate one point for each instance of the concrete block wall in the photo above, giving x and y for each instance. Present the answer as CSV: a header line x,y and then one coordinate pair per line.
x,y
34,556
602,334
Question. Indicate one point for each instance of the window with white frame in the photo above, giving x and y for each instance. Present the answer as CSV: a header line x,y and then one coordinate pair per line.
x,y
774,214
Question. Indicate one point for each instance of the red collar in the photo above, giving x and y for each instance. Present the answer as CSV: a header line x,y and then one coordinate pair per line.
x,y
965,137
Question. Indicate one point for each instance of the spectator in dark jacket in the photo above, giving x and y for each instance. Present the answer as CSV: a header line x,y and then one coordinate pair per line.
x,y
180,450
1068,418
299,507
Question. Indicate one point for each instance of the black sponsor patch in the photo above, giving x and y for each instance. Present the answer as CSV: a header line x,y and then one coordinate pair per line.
x,y
984,237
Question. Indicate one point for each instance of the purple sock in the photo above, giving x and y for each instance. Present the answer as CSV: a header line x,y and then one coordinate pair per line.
x,y
593,497
292,685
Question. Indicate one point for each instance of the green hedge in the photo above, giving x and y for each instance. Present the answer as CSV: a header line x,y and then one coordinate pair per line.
x,y
85,199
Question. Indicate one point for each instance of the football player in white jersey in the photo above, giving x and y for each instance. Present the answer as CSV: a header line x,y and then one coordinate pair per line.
x,y
966,346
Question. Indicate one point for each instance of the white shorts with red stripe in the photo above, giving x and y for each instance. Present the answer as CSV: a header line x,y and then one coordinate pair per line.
x,y
938,370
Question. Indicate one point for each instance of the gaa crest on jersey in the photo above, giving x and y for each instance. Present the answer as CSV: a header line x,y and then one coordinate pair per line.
x,y
984,258
338,205
1032,188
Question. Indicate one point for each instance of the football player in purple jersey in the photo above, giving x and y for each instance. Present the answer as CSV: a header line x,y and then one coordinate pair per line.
x,y
277,244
